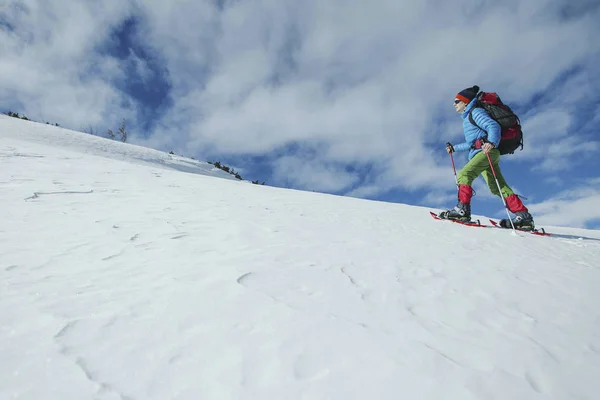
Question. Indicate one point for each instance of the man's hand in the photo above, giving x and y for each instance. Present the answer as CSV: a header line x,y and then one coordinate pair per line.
x,y
487,146
449,148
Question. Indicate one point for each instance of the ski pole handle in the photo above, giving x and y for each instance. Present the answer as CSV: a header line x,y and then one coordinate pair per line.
x,y
452,159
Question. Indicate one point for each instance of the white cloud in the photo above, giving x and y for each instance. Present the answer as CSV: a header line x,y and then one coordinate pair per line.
x,y
356,82
141,67
439,199
574,207
547,125
551,142
48,57
359,80
555,138
311,174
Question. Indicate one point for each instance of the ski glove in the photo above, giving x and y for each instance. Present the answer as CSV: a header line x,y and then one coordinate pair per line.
x,y
449,148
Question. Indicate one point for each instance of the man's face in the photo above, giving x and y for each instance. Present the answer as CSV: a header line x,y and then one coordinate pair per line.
x,y
459,106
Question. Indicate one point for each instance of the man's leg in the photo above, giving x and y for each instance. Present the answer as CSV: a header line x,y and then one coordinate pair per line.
x,y
474,168
465,178
522,219
488,176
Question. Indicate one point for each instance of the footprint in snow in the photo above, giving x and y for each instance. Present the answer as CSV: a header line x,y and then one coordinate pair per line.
x,y
308,368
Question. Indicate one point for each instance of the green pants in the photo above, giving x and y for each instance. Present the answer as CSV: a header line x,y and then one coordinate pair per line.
x,y
479,165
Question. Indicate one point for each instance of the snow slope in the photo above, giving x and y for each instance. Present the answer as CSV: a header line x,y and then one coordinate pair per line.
x,y
123,278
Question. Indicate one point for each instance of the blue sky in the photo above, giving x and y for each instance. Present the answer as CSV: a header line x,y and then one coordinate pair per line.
x,y
343,97
145,79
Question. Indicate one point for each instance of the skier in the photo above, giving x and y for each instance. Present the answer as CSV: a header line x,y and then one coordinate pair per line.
x,y
478,164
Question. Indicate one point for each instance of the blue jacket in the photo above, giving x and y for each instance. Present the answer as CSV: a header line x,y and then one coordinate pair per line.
x,y
472,133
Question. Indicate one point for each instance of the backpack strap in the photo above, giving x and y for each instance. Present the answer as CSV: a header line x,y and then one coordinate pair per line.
x,y
472,121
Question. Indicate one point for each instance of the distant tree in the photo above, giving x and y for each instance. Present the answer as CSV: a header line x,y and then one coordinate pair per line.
x,y
123,131
90,130
25,118
238,176
171,152
110,134
218,164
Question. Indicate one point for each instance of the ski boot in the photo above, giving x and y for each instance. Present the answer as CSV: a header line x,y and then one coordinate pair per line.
x,y
461,213
522,220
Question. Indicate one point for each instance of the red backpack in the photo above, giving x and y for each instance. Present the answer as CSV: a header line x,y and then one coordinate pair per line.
x,y
512,134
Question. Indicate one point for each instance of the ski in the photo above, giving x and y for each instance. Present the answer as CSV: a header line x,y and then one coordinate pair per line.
x,y
538,232
475,224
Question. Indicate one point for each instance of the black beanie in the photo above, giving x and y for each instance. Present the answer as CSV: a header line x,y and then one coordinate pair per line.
x,y
468,94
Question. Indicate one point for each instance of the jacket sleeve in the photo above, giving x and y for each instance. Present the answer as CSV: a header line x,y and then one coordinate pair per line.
x,y
462,147
484,121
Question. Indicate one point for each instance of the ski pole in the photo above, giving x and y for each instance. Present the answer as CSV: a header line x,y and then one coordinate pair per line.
x,y
453,167
500,191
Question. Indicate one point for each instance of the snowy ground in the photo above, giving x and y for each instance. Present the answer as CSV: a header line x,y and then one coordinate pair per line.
x,y
122,277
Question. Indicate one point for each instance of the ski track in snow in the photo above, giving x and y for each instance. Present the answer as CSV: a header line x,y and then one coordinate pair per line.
x,y
38,194
123,276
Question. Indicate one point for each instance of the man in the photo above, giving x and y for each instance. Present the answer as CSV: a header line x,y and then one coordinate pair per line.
x,y
481,144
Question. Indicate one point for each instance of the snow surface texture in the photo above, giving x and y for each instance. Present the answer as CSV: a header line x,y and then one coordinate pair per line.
x,y
123,278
